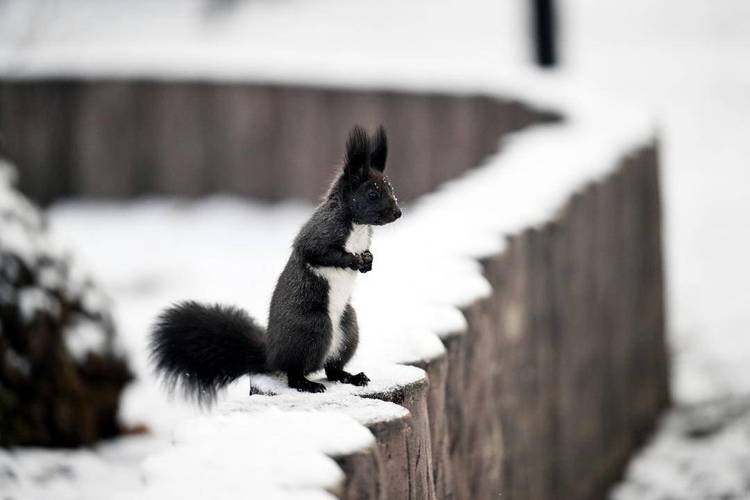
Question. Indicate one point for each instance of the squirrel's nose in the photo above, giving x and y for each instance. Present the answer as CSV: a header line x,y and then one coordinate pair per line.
x,y
396,213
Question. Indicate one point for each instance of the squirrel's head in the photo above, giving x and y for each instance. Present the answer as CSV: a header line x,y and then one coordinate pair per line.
x,y
367,193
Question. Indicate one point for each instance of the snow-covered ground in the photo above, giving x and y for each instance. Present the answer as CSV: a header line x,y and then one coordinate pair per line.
x,y
689,61
701,452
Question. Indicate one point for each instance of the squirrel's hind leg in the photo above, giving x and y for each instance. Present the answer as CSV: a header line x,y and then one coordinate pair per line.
x,y
335,366
339,375
302,384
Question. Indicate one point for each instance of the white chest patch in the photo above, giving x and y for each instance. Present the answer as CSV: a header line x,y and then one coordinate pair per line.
x,y
341,283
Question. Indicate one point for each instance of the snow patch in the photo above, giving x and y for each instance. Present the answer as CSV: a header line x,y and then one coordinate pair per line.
x,y
83,337
34,301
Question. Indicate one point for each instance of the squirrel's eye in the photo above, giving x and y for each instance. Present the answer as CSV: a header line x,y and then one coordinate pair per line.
x,y
373,195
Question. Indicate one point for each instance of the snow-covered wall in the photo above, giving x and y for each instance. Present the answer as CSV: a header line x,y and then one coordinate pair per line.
x,y
123,138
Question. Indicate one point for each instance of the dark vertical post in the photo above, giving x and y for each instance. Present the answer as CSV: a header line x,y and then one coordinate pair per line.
x,y
543,12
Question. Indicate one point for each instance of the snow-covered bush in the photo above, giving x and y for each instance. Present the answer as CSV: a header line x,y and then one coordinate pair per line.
x,y
60,374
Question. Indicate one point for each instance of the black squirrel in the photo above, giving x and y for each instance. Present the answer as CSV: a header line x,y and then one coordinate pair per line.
x,y
311,324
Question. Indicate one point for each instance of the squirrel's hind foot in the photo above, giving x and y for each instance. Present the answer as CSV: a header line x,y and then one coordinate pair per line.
x,y
359,379
335,375
303,385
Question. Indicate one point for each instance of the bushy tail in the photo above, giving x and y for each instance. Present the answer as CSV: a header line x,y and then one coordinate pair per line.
x,y
202,348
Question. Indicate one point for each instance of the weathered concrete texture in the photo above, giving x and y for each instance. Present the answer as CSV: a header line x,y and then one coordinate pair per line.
x,y
563,369
125,138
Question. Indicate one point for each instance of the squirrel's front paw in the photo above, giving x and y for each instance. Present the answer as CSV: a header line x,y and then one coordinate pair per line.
x,y
365,261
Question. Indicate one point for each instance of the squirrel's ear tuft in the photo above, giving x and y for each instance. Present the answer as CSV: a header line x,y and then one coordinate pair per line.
x,y
357,159
379,152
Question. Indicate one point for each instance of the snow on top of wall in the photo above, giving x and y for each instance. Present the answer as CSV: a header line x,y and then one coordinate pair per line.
x,y
270,453
385,377
339,398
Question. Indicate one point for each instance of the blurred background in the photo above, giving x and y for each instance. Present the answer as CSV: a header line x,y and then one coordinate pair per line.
x,y
145,66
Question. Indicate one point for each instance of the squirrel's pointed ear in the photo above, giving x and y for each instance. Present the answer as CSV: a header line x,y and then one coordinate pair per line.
x,y
357,159
379,152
